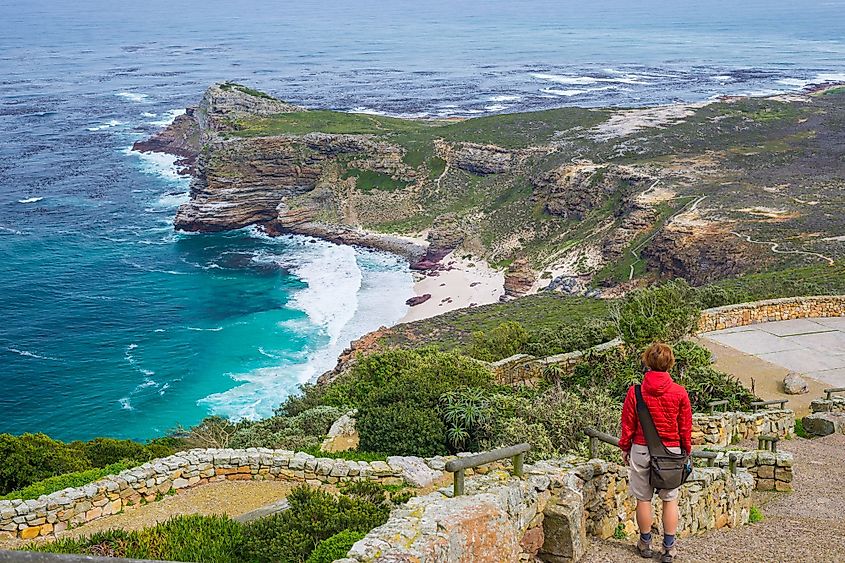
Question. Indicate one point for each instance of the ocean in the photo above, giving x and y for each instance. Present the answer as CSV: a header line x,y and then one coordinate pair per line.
x,y
113,324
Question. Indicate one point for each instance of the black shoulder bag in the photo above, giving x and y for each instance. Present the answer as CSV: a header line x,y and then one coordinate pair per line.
x,y
668,469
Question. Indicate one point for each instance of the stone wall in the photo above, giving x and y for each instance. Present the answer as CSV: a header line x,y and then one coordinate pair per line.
x,y
722,428
772,471
834,404
51,514
548,514
523,369
745,314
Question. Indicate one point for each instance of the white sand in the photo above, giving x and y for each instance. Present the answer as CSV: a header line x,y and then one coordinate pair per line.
x,y
468,282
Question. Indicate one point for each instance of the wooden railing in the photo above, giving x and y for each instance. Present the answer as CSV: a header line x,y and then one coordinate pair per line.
x,y
597,436
459,466
829,392
757,404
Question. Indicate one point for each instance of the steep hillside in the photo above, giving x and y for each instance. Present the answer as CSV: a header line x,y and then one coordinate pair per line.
x,y
571,199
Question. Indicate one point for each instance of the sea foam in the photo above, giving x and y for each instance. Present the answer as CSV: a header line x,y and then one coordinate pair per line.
x,y
344,299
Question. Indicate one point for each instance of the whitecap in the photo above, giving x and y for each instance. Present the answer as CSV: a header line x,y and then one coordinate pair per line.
x,y
28,354
502,98
126,404
198,329
133,96
30,200
496,107
9,230
169,117
585,80
106,125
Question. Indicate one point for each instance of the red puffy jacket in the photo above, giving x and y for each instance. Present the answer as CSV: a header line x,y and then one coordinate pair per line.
x,y
670,409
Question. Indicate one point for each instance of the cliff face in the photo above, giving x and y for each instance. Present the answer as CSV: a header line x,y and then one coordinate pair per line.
x,y
576,209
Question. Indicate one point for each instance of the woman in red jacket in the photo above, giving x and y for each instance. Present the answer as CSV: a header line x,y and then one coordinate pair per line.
x,y
669,406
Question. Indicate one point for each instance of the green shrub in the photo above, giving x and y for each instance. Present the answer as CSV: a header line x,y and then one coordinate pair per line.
x,y
204,539
799,429
664,313
335,547
30,458
468,414
570,337
105,451
313,517
505,340
402,429
303,431
755,515
59,482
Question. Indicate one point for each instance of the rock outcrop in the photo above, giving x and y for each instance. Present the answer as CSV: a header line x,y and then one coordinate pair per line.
x,y
224,103
181,138
519,279
702,254
573,190
483,159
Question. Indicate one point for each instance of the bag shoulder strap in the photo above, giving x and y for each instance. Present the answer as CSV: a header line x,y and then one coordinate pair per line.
x,y
655,444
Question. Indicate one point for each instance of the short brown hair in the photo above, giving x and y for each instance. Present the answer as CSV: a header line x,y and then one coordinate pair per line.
x,y
658,357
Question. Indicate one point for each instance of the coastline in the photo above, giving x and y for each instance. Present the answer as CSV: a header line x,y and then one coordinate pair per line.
x,y
456,283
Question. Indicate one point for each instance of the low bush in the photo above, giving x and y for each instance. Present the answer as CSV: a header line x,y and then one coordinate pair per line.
x,y
59,482
505,340
313,517
203,539
335,547
402,429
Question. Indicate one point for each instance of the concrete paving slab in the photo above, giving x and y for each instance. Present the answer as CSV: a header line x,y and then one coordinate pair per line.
x,y
792,327
732,330
754,341
834,377
833,322
804,361
832,342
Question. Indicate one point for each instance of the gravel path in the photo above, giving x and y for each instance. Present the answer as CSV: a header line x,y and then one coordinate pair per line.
x,y
227,497
805,526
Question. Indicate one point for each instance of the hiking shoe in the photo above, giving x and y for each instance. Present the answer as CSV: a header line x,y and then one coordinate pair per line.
x,y
668,554
644,549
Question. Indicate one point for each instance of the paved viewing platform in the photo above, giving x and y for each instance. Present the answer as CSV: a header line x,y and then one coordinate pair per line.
x,y
812,347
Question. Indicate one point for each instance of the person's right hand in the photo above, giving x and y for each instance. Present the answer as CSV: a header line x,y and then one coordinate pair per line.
x,y
625,457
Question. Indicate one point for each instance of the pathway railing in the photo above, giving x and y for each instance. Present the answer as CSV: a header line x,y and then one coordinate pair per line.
x,y
757,404
459,466
829,392
713,404
597,436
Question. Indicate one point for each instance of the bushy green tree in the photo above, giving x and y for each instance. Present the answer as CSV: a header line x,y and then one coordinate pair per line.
x,y
662,313
28,458
401,429
505,340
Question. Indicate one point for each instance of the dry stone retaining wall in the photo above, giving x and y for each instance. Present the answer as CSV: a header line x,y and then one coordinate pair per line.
x,y
523,369
51,514
772,471
720,428
548,514
745,314
834,404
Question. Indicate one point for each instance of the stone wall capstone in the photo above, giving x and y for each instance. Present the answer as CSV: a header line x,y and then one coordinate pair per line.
x,y
744,314
548,513
722,428
772,471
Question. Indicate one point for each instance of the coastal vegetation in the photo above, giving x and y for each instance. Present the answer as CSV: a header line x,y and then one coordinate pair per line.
x,y
318,527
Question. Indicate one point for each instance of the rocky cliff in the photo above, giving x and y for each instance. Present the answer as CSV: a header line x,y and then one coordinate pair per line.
x,y
680,197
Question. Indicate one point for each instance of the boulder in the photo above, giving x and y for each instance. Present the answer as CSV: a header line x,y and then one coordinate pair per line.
x,y
825,423
564,533
794,384
414,470
418,300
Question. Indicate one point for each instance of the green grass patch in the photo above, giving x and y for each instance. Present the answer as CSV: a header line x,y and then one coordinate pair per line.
x,y
324,121
755,515
246,90
799,429
366,180
59,482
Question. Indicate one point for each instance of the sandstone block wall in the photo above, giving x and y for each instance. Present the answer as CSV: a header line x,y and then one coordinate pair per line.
x,y
772,471
51,514
788,308
548,514
522,369
720,428
834,404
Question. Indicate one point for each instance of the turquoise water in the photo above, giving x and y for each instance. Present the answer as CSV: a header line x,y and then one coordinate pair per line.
x,y
112,324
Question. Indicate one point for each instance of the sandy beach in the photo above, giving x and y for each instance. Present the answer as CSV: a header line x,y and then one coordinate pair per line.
x,y
460,282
